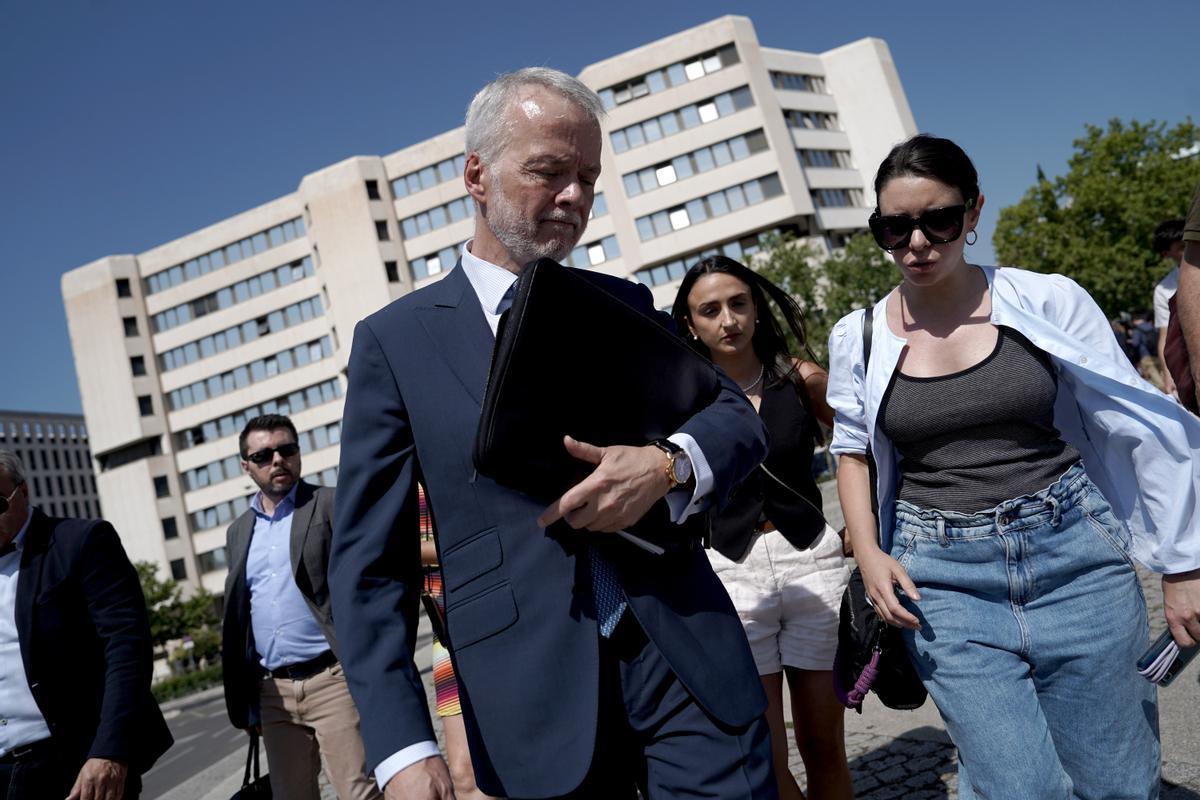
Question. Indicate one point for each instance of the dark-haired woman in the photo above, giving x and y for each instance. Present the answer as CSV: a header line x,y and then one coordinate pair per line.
x,y
1017,452
780,562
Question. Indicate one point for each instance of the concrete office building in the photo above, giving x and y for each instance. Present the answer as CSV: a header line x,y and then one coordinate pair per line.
x,y
58,462
711,142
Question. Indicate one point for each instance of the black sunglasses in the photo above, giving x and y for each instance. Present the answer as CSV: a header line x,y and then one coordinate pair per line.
x,y
267,454
5,502
940,225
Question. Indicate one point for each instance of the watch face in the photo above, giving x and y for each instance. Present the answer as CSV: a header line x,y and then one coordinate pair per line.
x,y
682,468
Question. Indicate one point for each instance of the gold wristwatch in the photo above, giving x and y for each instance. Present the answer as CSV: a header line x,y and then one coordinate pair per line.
x,y
679,465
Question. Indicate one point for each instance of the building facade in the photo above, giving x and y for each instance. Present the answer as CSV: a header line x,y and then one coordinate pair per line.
x,y
711,143
58,461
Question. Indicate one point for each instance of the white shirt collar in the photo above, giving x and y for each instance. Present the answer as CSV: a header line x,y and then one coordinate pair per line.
x,y
490,282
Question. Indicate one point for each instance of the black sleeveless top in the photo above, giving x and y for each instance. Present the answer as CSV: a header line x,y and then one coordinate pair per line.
x,y
793,433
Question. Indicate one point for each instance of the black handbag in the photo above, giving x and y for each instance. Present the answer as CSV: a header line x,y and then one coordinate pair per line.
x,y
256,786
871,655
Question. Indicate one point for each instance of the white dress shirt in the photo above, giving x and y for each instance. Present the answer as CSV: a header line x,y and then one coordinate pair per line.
x,y
492,285
21,721
1140,447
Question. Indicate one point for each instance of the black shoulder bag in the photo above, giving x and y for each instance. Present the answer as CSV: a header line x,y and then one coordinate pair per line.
x,y
258,787
871,655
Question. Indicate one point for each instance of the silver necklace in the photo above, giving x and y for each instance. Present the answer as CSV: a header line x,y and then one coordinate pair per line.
x,y
761,371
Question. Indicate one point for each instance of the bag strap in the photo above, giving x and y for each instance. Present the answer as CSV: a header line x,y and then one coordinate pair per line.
x,y
868,327
868,324
251,759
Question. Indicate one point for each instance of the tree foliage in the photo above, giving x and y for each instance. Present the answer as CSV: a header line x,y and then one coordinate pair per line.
x,y
1095,223
171,616
827,288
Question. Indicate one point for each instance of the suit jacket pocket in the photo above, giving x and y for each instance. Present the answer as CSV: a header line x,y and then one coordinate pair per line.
x,y
466,561
481,615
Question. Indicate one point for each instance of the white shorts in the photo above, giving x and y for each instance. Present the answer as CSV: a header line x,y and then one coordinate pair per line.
x,y
788,599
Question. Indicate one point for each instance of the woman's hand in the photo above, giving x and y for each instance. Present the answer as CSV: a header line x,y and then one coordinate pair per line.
x,y
881,575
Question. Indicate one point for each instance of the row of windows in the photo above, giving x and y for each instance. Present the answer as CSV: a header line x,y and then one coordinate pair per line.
x,y
243,376
695,162
223,513
52,430
798,82
435,263
65,488
597,252
428,177
82,459
326,477
232,424
317,438
212,561
811,120
739,249
681,119
224,256
80,509
837,198
712,205
239,292
676,74
826,158
438,217
248,331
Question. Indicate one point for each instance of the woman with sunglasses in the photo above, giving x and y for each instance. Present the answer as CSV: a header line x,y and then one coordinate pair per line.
x,y
1017,451
781,564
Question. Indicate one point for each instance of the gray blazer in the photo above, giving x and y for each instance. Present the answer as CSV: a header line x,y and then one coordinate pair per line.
x,y
312,530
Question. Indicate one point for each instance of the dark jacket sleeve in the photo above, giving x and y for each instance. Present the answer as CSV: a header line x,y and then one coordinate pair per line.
x,y
374,573
118,611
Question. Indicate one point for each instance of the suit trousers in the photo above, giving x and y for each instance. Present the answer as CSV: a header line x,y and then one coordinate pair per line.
x,y
653,736
48,774
304,720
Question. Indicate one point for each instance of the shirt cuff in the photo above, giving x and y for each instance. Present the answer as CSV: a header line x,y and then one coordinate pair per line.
x,y
390,766
678,501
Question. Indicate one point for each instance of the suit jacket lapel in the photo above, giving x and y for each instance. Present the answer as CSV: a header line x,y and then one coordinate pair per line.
x,y
29,583
455,322
243,529
301,522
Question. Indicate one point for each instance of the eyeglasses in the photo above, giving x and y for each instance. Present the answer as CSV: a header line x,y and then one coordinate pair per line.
x,y
5,502
940,225
267,454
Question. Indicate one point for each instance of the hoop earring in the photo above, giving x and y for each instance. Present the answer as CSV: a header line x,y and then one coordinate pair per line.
x,y
969,240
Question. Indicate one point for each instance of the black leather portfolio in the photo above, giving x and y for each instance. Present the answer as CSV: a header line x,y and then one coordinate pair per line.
x,y
570,358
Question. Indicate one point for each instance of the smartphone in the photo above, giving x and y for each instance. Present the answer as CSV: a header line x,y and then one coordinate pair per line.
x,y
1164,659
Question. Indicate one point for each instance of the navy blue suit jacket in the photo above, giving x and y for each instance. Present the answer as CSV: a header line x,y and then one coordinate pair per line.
x,y
85,642
521,622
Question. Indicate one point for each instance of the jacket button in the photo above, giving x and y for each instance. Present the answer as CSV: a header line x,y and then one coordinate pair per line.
x,y
1083,359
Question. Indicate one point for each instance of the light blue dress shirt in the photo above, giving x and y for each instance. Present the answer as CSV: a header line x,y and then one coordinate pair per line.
x,y
285,631
21,721
1140,447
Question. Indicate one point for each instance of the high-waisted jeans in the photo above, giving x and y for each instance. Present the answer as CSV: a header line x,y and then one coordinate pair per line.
x,y
1032,619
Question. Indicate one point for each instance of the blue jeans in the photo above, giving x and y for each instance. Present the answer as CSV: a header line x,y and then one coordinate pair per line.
x,y
1032,619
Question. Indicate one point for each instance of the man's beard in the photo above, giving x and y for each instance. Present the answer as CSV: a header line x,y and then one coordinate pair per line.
x,y
519,235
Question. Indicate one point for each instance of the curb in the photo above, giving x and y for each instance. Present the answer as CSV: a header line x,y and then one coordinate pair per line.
x,y
191,700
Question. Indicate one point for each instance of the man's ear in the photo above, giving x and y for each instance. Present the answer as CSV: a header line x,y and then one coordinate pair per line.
x,y
475,178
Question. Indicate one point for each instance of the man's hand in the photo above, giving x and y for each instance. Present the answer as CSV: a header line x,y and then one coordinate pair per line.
x,y
100,779
619,492
427,779
1181,604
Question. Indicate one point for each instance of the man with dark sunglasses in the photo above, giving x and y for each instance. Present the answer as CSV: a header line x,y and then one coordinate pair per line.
x,y
282,677
76,715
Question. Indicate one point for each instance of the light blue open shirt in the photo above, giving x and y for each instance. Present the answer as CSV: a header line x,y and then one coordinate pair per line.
x,y
1140,447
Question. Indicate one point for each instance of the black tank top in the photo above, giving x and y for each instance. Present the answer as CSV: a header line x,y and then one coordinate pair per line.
x,y
793,433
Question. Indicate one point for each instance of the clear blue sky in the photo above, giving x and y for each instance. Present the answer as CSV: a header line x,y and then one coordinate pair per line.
x,y
127,124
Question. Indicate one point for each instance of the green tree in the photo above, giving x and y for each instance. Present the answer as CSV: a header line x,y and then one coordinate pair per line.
x,y
828,288
171,616
1095,223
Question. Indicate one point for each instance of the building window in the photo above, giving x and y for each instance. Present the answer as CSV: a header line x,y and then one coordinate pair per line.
x,y
837,198
123,289
428,177
681,119
811,120
137,365
178,570
694,163
254,372
393,272
372,190
212,561
437,217
676,74
161,487
798,82
740,249
712,205
239,292
219,342
130,323
836,159
381,230
231,424
594,253
145,405
435,263
224,256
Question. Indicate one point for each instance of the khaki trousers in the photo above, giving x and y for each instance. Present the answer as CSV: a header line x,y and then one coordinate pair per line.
x,y
305,721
